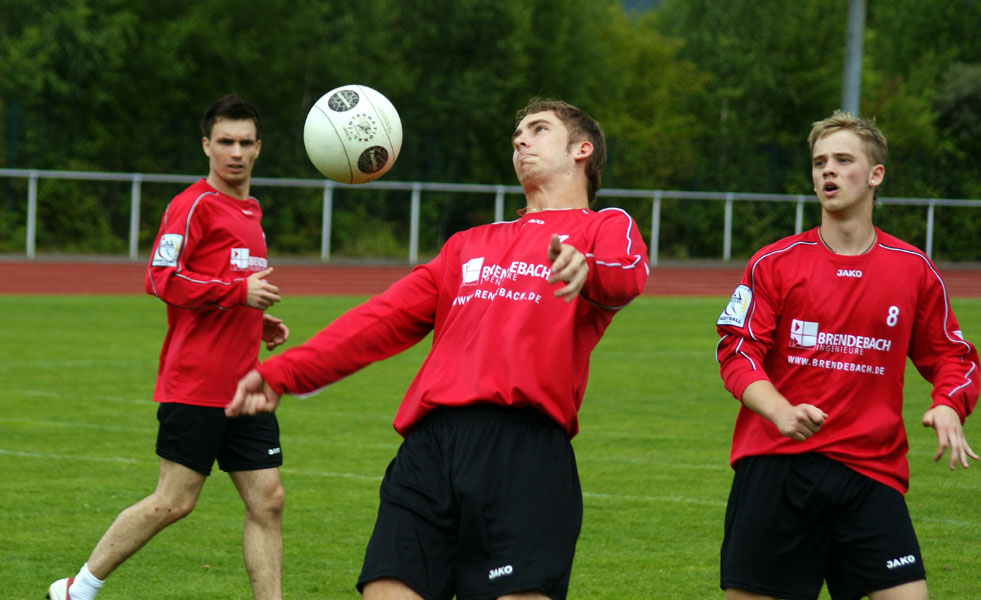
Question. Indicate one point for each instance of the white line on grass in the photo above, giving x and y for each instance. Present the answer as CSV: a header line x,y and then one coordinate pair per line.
x,y
651,436
947,522
678,499
331,474
85,458
656,463
76,396
71,364
75,425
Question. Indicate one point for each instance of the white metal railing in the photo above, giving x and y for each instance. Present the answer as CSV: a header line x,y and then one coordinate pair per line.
x,y
417,188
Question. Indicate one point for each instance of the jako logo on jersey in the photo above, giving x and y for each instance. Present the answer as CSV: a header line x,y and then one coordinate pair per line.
x,y
167,250
273,451
500,572
850,273
807,334
738,307
902,561
471,270
241,261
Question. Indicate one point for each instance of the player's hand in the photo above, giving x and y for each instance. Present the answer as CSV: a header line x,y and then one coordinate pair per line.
x,y
950,434
261,294
252,396
568,265
800,421
274,332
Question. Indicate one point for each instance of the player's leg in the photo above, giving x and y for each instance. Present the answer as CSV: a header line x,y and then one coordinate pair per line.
x,y
186,444
876,551
251,456
412,549
914,590
262,534
177,491
393,589
734,594
517,485
389,589
777,533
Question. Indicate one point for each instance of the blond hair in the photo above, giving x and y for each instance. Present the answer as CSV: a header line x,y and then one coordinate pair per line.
x,y
873,142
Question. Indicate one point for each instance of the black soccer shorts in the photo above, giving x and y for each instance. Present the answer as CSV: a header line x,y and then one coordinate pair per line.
x,y
478,502
795,521
194,436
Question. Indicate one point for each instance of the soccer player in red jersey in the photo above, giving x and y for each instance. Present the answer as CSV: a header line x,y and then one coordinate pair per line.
x,y
483,497
209,266
814,343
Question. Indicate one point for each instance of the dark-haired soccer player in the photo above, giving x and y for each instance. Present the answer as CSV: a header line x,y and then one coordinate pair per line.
x,y
209,266
814,344
483,497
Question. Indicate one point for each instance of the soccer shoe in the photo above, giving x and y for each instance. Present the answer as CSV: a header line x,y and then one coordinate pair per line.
x,y
59,589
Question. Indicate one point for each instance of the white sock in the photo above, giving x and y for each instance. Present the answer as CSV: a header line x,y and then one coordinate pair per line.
x,y
85,586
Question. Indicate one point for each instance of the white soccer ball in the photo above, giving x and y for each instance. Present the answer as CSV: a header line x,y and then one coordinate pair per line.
x,y
353,134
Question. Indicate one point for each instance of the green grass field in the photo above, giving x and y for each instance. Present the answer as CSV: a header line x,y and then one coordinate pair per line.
x,y
77,431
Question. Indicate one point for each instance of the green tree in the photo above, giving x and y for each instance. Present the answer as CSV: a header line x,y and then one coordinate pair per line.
x,y
693,94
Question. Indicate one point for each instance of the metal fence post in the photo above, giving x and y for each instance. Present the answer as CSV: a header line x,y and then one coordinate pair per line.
x,y
499,204
31,213
134,216
929,231
799,215
326,221
727,239
655,226
414,225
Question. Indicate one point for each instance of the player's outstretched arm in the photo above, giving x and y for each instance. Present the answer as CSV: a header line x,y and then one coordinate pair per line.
x,y
950,434
252,396
796,421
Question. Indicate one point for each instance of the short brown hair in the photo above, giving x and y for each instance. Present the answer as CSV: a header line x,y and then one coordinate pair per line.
x,y
872,139
232,107
581,127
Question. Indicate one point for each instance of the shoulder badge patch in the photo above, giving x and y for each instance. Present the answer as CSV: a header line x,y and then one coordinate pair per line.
x,y
738,307
168,250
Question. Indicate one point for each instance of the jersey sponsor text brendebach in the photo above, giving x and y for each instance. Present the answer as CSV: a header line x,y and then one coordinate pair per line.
x,y
474,273
808,334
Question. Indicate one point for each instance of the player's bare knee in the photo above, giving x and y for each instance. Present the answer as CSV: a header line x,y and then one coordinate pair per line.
x,y
168,510
267,505
275,500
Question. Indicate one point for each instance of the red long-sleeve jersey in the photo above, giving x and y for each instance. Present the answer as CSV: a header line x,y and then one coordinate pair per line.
x,y
208,244
834,331
499,333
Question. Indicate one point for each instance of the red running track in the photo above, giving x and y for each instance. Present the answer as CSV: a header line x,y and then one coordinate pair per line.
x,y
109,277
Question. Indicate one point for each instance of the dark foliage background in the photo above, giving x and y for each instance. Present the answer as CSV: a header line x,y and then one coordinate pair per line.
x,y
712,95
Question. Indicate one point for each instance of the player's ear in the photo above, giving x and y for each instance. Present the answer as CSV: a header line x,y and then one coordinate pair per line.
x,y
258,148
206,146
583,149
876,175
